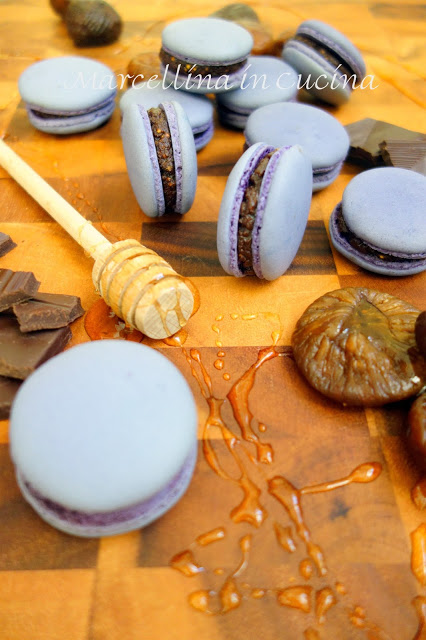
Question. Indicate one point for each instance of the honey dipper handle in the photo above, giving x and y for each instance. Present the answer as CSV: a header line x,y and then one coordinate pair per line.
x,y
78,227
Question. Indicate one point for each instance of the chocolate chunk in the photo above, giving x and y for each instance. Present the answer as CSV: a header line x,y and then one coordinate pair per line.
x,y
47,311
164,148
8,390
366,136
16,286
21,353
406,155
236,12
6,244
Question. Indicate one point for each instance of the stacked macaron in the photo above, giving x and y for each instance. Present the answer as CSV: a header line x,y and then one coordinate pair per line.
x,y
264,211
329,64
110,448
160,157
70,94
322,137
380,223
266,80
205,55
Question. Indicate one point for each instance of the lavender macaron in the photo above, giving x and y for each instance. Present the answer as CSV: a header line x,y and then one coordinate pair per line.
x,y
160,156
104,438
327,61
266,80
321,136
380,223
198,108
264,211
69,94
204,55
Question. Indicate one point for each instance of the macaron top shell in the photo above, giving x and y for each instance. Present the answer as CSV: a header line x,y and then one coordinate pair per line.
x,y
336,41
321,136
266,80
103,426
386,208
199,109
68,84
208,40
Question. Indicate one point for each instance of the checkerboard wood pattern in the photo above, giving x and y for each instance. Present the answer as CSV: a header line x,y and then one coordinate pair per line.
x,y
56,587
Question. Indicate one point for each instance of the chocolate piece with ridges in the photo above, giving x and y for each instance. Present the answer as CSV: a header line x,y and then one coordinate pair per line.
x,y
16,286
403,154
420,333
22,353
6,244
47,311
8,390
367,134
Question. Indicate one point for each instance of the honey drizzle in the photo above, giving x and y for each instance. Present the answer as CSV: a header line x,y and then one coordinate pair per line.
x,y
366,472
185,563
419,603
418,553
284,537
210,536
238,397
324,600
290,498
250,510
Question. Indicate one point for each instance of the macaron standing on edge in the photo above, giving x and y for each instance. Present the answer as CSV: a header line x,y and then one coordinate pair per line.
x,y
265,81
213,51
160,156
321,136
326,59
199,109
380,223
69,94
264,211
104,438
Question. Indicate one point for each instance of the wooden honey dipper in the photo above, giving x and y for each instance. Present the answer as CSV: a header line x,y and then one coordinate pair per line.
x,y
138,285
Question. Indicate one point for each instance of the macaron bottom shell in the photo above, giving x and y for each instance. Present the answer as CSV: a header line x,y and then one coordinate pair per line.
x,y
69,123
370,258
94,525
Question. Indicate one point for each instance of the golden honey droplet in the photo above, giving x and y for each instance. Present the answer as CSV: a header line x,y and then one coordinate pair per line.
x,y
229,596
185,563
340,588
366,472
218,364
219,571
306,568
221,354
200,600
257,593
219,318
211,536
296,597
234,316
262,427
226,376
218,343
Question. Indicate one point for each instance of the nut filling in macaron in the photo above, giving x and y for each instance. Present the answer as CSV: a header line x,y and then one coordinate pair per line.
x,y
370,251
163,144
189,66
247,218
328,54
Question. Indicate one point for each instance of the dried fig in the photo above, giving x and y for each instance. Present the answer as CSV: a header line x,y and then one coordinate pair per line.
x,y
357,346
92,23
420,332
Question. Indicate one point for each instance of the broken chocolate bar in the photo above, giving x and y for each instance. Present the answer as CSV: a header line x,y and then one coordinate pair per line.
x,y
16,286
47,311
366,136
8,390
405,155
6,244
21,353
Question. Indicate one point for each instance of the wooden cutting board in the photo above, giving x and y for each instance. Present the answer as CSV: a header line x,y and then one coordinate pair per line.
x,y
298,523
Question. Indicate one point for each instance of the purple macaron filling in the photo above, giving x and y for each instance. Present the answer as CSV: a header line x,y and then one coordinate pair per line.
x,y
238,199
177,151
353,245
146,510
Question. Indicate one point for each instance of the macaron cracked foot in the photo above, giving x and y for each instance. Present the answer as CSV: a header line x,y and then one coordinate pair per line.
x,y
264,211
160,157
